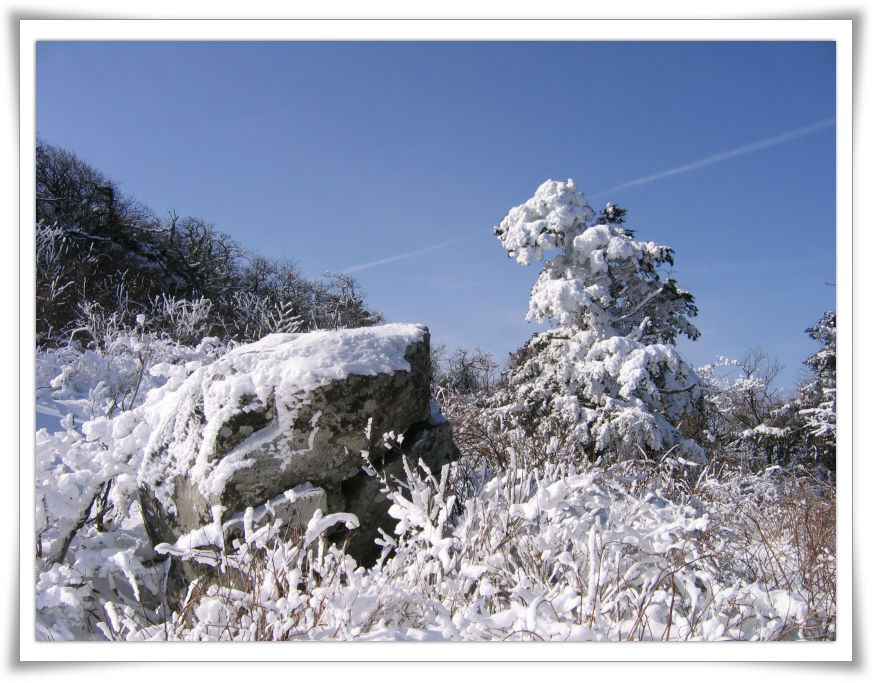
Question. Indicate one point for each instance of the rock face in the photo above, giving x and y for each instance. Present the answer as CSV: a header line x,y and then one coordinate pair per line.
x,y
288,411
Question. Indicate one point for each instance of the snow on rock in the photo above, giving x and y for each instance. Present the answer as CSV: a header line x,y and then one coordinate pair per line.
x,y
288,410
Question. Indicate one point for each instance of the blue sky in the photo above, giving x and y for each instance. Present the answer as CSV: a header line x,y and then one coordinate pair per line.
x,y
341,155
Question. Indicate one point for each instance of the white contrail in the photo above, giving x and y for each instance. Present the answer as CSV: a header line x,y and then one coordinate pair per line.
x,y
747,149
413,253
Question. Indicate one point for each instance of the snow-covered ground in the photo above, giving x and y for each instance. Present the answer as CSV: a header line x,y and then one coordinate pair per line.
x,y
555,553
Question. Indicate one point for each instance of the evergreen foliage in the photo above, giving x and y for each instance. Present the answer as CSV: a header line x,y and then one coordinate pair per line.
x,y
609,372
817,401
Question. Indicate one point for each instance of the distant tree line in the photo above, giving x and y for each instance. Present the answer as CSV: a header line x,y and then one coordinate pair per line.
x,y
104,258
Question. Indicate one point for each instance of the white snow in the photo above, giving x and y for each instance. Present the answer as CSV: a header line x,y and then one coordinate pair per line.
x,y
552,554
280,370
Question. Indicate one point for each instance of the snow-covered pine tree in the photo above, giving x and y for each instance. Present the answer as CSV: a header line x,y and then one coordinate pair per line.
x,y
817,398
608,378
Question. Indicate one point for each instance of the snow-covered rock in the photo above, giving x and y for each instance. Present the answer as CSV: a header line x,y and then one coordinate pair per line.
x,y
290,410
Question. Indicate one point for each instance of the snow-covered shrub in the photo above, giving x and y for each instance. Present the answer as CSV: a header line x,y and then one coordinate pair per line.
x,y
187,322
745,419
486,435
551,554
778,528
610,369
817,400
89,536
92,383
61,270
253,317
742,417
464,371
338,304
85,470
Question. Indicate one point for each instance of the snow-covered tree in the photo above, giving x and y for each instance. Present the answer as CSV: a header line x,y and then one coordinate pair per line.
x,y
817,400
608,377
744,418
464,372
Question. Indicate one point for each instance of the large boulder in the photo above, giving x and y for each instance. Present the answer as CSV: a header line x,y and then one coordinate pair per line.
x,y
293,412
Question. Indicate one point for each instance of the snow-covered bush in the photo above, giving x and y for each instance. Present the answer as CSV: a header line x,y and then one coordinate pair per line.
x,y
817,401
464,371
480,553
254,317
610,370
745,419
552,554
83,472
742,417
91,383
61,270
781,526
